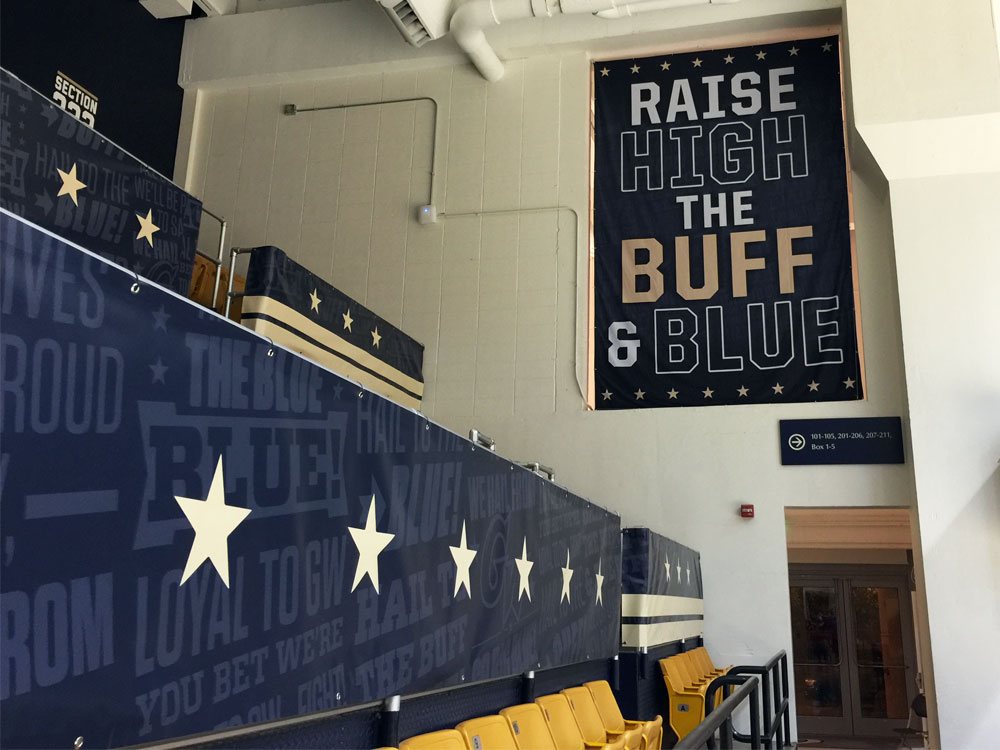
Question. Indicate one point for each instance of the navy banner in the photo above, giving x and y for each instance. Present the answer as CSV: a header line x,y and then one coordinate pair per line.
x,y
200,530
300,310
722,256
60,174
662,592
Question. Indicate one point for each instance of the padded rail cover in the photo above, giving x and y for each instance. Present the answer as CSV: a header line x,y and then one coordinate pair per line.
x,y
62,175
661,590
200,530
298,309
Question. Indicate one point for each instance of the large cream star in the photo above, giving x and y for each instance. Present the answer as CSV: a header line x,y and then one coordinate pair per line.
x,y
213,521
147,227
370,542
70,184
523,571
463,557
314,300
600,585
347,320
567,574
376,337
666,564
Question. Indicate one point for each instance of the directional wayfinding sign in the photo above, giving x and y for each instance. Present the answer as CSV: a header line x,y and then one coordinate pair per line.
x,y
864,440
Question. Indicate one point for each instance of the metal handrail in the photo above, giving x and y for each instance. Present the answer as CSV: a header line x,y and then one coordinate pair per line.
x,y
776,718
722,717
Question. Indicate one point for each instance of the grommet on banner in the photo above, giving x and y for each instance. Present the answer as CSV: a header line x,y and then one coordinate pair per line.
x,y
361,394
78,742
270,348
136,286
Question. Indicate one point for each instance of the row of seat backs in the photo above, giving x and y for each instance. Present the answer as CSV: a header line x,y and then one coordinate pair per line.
x,y
578,718
687,676
690,672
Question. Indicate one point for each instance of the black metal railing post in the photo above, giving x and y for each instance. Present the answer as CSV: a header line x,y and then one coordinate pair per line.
x,y
528,687
784,697
388,722
721,717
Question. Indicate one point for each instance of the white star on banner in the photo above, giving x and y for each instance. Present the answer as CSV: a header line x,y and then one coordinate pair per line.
x,y
523,571
678,571
849,383
463,557
146,227
606,395
689,574
213,521
314,300
370,542
70,184
567,574
666,564
600,585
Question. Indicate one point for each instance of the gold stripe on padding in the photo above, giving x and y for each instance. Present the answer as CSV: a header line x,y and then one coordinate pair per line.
x,y
295,319
285,337
636,636
656,605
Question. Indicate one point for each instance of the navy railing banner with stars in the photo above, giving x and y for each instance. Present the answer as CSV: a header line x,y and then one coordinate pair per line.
x,y
662,592
60,174
295,307
723,260
202,529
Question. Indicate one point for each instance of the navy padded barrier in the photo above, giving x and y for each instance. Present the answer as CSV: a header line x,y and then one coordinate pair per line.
x,y
554,680
429,713
357,729
420,714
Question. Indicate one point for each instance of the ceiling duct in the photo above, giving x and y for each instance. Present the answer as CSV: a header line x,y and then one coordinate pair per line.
x,y
422,20
418,21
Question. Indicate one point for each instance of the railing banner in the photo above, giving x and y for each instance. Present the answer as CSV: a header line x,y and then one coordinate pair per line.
x,y
201,529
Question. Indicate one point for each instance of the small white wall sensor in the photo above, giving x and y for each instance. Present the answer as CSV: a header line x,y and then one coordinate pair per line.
x,y
427,214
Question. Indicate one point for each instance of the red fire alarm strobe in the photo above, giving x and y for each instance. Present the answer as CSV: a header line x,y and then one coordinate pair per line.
x,y
746,511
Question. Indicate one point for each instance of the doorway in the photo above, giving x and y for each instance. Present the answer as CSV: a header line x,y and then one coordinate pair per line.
x,y
853,648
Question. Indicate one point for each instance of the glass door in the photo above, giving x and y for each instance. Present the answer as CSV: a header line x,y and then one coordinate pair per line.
x,y
853,650
883,676
818,649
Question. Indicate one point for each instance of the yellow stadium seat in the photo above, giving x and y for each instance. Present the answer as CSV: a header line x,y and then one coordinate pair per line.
x,y
487,733
446,739
562,723
687,704
614,722
585,711
652,734
531,731
701,656
618,744
633,739
690,671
